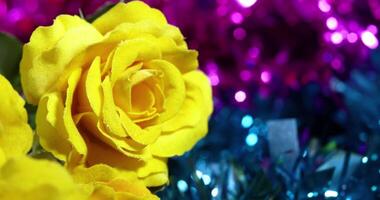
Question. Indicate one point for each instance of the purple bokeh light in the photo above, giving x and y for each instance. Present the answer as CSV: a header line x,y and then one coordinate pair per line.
x,y
239,33
352,37
237,18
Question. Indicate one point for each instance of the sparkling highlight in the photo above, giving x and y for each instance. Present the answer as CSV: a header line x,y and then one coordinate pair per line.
x,y
251,139
246,3
247,121
332,23
369,40
240,96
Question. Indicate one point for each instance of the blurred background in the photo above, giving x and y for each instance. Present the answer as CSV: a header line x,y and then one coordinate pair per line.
x,y
296,90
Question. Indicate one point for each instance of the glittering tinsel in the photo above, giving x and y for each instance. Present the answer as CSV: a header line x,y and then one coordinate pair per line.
x,y
235,162
296,90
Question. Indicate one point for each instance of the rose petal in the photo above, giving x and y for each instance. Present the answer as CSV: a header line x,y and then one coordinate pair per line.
x,y
90,123
127,31
184,59
50,128
15,134
191,123
110,116
167,38
26,178
93,86
134,11
46,56
107,181
142,136
174,87
74,137
154,170
122,88
132,51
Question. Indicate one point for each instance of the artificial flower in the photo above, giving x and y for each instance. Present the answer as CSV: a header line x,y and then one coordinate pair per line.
x,y
123,91
22,177
106,183
16,136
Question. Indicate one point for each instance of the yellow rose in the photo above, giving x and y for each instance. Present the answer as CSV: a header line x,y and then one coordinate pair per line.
x,y
23,178
104,182
15,133
123,91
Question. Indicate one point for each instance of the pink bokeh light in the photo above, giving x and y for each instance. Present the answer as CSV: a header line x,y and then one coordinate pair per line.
x,y
332,23
352,37
214,79
265,76
372,28
324,6
337,38
369,39
245,75
254,52
236,18
240,96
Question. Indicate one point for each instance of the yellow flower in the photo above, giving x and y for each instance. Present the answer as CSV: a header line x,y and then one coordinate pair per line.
x,y
104,182
23,178
15,133
123,91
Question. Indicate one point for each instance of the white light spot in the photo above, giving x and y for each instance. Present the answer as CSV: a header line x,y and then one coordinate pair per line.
x,y
369,40
214,192
331,193
324,6
206,179
332,23
240,96
246,3
336,37
199,174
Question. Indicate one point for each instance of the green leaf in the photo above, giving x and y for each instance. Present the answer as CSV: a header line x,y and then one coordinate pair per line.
x,y
10,56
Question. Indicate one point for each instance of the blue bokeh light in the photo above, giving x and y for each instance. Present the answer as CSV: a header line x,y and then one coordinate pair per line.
x,y
251,139
182,186
247,121
364,159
